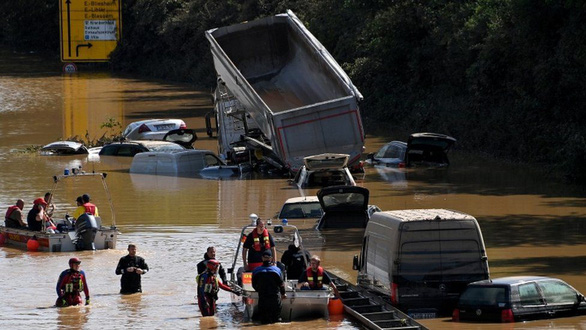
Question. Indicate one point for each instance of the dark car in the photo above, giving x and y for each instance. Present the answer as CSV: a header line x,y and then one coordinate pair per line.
x,y
422,149
519,298
179,139
131,148
344,207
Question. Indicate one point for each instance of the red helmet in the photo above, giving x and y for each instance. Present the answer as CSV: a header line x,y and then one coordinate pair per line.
x,y
74,261
213,264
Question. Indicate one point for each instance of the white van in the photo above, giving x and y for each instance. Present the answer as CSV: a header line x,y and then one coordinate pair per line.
x,y
187,163
423,259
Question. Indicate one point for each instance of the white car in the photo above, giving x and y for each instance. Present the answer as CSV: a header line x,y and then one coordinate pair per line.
x,y
152,129
324,170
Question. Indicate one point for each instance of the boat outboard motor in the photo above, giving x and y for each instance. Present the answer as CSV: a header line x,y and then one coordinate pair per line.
x,y
86,228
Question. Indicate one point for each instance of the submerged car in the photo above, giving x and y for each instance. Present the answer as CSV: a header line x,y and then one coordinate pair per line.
x,y
64,148
131,148
300,208
421,150
518,298
174,140
152,129
186,163
344,207
324,170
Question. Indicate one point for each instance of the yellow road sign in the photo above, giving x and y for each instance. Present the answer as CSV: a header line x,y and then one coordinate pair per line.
x,y
90,29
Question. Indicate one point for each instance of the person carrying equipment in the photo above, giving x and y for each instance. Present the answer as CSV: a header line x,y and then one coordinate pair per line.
x,y
70,284
208,286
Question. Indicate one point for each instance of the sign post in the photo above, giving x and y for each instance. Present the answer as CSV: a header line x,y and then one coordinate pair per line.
x,y
90,29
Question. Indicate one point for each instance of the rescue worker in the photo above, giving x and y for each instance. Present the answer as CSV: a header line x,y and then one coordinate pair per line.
x,y
315,277
131,267
37,215
295,261
211,254
258,241
268,282
86,207
14,217
208,286
50,206
71,283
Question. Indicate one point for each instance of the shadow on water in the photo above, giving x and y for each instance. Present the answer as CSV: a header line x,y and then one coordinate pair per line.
x,y
533,230
543,265
470,174
169,113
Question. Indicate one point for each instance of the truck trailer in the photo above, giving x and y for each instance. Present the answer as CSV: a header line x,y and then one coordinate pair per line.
x,y
281,92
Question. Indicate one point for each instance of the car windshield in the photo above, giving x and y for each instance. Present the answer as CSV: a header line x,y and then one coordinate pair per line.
x,y
344,200
484,296
301,210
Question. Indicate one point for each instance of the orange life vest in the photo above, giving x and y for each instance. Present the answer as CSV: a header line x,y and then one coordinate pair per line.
x,y
10,210
209,282
265,238
90,208
315,283
74,283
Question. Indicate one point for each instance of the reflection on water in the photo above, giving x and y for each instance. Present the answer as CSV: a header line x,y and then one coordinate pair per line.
x,y
531,225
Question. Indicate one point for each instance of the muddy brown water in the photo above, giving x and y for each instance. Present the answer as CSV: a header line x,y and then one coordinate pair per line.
x,y
531,224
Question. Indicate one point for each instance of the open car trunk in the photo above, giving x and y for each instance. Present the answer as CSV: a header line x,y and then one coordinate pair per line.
x,y
428,149
344,207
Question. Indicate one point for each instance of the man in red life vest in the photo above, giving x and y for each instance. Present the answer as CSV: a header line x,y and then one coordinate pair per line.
x,y
14,217
86,207
70,284
208,286
315,277
255,244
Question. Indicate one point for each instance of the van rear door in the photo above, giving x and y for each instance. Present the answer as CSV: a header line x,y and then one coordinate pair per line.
x,y
437,259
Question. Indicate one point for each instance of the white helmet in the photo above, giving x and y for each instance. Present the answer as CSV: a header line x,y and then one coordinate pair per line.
x,y
253,217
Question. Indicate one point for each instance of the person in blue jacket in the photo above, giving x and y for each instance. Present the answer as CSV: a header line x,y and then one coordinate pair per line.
x,y
267,280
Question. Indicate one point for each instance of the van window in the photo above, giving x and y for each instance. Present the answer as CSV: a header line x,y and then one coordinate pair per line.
x,y
556,292
436,260
529,295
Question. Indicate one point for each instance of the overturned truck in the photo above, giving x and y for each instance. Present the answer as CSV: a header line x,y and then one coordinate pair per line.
x,y
281,96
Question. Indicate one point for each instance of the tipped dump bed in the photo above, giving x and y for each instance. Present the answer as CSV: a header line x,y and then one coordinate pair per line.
x,y
293,89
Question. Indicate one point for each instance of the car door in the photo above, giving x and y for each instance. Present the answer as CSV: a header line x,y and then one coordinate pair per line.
x,y
561,299
531,304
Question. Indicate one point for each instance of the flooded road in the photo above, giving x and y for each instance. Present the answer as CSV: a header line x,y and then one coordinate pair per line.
x,y
530,225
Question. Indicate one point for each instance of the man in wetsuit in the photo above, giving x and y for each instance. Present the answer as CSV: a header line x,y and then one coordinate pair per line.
x,y
208,286
295,261
37,215
211,254
131,267
14,217
258,241
268,282
70,284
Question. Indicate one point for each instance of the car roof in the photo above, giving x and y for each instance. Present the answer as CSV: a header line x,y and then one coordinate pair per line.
x,y
145,143
511,280
304,199
327,161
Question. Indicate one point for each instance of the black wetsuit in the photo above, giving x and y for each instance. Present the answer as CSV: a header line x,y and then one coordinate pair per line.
x,y
201,267
130,282
295,263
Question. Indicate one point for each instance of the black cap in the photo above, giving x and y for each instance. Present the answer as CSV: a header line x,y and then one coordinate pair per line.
x,y
85,198
267,253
